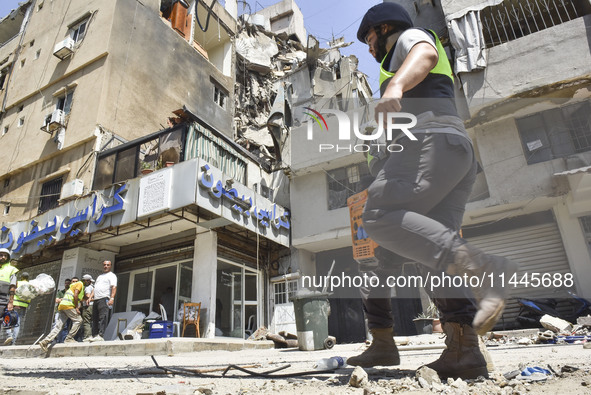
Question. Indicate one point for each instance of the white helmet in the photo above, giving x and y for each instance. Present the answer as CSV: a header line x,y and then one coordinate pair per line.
x,y
6,250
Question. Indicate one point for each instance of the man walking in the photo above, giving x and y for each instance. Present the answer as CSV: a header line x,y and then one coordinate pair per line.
x,y
105,288
69,308
87,304
416,203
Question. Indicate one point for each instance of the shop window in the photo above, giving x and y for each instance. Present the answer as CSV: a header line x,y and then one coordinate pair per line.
x,y
556,133
344,183
50,194
284,290
512,19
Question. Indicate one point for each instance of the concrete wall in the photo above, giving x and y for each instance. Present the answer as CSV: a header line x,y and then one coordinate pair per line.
x,y
286,17
531,62
154,71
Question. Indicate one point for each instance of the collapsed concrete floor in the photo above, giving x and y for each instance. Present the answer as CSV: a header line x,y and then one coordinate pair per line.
x,y
138,375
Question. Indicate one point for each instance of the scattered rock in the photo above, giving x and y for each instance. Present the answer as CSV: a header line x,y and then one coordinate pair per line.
x,y
587,346
555,324
525,341
205,391
428,375
358,377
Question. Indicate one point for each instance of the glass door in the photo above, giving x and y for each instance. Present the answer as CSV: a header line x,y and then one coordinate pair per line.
x,y
237,300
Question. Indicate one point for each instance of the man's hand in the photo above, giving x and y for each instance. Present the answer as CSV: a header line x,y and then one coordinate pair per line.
x,y
111,301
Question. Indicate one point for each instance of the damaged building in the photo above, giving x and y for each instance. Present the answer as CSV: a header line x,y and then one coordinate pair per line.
x,y
118,134
522,71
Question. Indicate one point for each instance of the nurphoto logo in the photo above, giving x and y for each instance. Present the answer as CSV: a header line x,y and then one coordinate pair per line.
x,y
389,128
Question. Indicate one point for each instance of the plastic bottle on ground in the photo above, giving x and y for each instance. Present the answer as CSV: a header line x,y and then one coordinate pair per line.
x,y
330,363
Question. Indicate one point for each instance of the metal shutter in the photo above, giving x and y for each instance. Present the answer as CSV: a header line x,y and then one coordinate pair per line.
x,y
536,248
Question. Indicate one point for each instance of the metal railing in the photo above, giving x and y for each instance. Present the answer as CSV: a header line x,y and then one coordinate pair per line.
x,y
513,19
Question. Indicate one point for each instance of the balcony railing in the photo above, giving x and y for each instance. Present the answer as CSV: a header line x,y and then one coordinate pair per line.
x,y
513,19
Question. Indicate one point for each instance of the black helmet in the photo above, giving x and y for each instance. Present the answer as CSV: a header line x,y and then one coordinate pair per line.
x,y
391,13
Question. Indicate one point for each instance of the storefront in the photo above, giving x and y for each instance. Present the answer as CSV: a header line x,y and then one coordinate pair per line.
x,y
187,232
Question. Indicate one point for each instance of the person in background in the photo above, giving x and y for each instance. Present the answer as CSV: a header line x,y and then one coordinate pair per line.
x,y
87,306
105,288
69,308
58,298
20,307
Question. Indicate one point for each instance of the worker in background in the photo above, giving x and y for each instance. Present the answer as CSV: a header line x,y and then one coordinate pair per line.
x,y
69,308
8,281
20,307
416,203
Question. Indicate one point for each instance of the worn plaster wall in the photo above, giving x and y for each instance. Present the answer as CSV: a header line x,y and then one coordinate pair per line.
x,y
531,62
154,71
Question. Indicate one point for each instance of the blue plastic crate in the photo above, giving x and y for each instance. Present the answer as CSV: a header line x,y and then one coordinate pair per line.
x,y
160,329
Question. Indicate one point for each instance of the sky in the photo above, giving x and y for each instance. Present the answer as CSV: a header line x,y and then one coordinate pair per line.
x,y
322,19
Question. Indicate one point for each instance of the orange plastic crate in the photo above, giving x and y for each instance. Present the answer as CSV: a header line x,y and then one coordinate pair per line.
x,y
363,246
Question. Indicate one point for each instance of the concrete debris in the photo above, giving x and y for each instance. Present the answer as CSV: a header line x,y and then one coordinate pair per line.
x,y
282,342
427,377
584,321
555,324
358,378
587,346
273,73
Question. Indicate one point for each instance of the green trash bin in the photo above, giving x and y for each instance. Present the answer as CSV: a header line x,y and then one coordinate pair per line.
x,y
311,316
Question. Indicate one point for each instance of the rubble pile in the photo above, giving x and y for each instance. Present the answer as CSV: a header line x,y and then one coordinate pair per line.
x,y
263,58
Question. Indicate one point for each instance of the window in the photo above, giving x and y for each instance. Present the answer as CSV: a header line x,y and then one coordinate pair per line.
x,y
284,290
220,96
344,183
20,108
50,194
3,74
31,43
556,133
64,102
78,31
23,63
512,19
21,121
4,130
6,182
37,54
6,209
586,225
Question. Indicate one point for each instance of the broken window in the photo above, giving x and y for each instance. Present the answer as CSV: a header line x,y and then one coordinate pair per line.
x,y
344,183
64,102
586,225
556,133
513,19
3,76
78,30
50,194
162,149
220,96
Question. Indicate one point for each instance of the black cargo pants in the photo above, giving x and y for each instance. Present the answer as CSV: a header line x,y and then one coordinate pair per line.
x,y
414,209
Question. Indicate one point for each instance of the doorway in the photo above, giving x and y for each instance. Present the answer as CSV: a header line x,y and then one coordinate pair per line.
x,y
238,307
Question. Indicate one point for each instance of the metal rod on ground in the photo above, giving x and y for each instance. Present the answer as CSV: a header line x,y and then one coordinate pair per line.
x,y
328,276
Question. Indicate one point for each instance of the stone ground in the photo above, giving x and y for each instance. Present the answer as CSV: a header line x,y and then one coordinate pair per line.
x,y
137,375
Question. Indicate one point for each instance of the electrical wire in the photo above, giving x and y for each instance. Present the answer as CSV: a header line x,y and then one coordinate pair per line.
x,y
209,11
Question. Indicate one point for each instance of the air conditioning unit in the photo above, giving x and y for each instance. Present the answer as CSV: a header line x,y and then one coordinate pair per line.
x,y
63,49
57,120
72,189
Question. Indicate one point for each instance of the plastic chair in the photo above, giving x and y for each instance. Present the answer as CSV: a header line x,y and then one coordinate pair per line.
x,y
191,316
